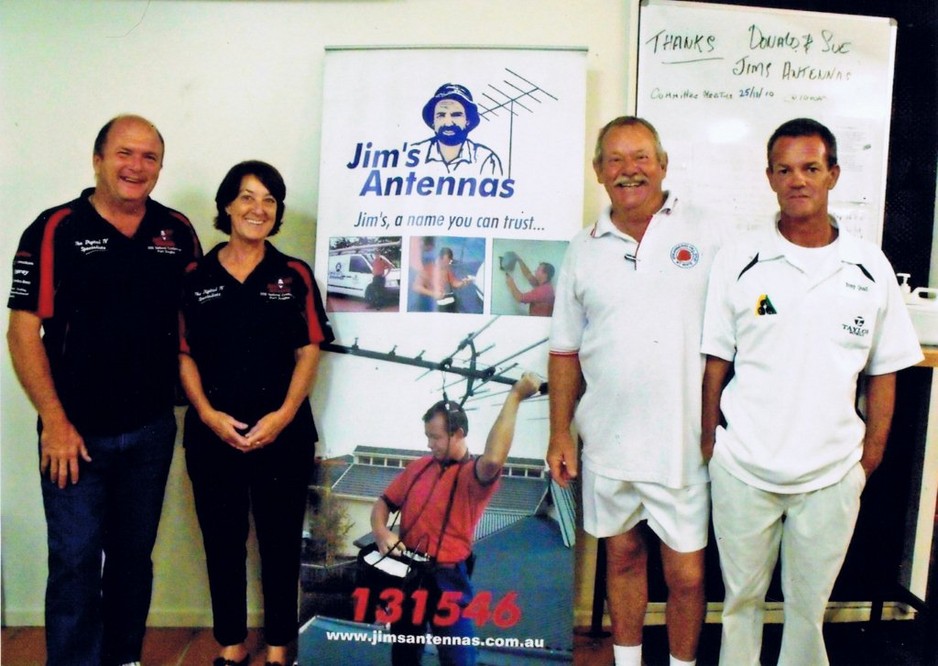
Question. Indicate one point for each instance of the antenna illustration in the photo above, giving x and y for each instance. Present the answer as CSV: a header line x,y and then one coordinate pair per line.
x,y
512,95
471,370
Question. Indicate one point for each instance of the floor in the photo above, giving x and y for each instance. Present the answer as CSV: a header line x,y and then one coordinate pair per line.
x,y
899,643
894,643
24,646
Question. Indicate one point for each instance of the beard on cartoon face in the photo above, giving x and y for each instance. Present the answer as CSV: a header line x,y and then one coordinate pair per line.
x,y
452,135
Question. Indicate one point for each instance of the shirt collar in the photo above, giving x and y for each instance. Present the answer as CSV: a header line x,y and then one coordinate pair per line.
x,y
85,201
605,226
271,253
433,153
848,246
449,462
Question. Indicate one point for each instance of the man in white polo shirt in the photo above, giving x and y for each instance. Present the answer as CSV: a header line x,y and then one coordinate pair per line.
x,y
626,328
800,313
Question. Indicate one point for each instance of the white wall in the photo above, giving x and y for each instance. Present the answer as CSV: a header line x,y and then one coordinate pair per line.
x,y
224,80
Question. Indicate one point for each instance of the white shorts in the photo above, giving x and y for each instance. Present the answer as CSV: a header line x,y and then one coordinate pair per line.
x,y
679,516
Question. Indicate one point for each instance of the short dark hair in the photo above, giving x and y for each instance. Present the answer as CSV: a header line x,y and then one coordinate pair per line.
x,y
453,414
446,252
629,121
231,185
804,127
549,269
100,141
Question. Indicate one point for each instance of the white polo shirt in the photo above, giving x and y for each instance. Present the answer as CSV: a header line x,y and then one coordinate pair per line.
x,y
798,343
633,314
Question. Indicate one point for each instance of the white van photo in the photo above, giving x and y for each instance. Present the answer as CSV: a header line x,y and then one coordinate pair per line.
x,y
351,274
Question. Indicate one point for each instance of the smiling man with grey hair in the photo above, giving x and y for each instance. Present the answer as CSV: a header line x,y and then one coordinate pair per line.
x,y
625,333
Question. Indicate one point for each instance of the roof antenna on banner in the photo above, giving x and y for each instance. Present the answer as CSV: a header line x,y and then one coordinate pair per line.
x,y
450,430
443,390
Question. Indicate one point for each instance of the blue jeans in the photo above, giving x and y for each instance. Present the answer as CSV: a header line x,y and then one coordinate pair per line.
x,y
101,532
443,579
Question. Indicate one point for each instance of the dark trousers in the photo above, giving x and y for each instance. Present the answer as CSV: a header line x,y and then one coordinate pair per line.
x,y
376,294
97,614
272,484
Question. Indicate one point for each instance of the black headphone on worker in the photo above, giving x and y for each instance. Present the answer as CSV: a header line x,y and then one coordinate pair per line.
x,y
453,412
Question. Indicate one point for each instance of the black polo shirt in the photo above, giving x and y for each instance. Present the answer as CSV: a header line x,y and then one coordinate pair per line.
x,y
243,336
109,309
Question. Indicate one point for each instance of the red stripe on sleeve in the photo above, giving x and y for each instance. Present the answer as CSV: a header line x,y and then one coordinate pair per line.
x,y
46,304
312,320
196,245
183,342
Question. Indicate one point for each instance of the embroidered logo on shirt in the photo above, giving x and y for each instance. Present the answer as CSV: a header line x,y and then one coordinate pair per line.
x,y
685,255
209,293
165,239
764,306
280,290
857,327
92,245
164,243
856,287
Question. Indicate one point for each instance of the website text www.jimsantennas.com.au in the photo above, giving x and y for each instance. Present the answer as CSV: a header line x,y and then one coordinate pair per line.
x,y
379,636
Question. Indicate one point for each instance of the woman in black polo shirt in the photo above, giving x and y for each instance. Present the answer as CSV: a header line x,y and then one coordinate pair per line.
x,y
252,323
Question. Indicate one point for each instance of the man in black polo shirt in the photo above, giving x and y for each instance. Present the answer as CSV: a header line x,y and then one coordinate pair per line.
x,y
93,336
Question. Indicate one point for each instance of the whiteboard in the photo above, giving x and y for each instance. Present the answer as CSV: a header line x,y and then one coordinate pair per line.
x,y
716,80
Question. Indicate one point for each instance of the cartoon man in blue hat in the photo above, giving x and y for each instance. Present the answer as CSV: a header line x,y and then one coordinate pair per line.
x,y
452,114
